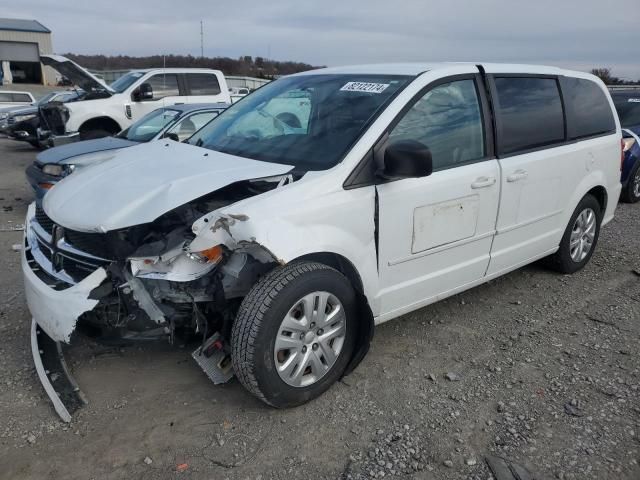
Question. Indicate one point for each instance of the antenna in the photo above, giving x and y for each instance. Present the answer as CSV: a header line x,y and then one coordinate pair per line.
x,y
201,40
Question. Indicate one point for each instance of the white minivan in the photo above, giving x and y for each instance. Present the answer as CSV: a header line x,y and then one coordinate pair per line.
x,y
322,204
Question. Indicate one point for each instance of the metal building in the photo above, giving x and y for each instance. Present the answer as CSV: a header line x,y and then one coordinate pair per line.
x,y
21,43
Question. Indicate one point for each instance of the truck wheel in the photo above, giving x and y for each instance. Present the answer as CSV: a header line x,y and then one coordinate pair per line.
x,y
91,134
294,333
631,193
580,238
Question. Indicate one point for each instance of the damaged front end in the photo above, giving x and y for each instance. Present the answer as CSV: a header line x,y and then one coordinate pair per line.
x,y
146,282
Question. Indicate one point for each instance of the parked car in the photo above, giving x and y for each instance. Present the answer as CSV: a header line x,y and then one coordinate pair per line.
x,y
238,92
107,110
177,123
627,102
15,99
282,243
23,124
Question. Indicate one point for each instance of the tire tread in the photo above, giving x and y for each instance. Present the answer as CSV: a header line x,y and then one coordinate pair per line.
x,y
248,322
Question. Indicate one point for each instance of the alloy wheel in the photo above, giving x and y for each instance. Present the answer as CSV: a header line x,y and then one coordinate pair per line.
x,y
583,235
310,339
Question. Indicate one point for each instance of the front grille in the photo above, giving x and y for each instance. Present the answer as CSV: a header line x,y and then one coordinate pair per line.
x,y
76,264
93,243
52,118
44,221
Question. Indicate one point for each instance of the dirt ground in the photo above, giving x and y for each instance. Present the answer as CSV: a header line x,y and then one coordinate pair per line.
x,y
539,368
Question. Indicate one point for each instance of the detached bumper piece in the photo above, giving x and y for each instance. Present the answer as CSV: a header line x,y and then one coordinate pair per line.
x,y
214,361
54,374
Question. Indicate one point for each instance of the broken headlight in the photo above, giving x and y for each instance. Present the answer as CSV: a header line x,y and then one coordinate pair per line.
x,y
179,264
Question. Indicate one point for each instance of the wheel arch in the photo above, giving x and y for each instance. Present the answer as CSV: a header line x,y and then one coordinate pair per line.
x,y
103,123
600,193
365,315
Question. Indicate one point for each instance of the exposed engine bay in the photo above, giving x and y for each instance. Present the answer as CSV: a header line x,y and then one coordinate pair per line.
x,y
144,283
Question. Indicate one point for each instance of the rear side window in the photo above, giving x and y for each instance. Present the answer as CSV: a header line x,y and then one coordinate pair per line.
x,y
530,113
5,97
588,109
203,84
164,85
21,97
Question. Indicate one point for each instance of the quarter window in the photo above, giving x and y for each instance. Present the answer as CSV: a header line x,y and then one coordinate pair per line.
x,y
164,85
589,110
530,113
21,97
203,84
447,120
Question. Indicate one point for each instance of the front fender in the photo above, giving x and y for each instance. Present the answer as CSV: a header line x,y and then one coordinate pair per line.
x,y
341,222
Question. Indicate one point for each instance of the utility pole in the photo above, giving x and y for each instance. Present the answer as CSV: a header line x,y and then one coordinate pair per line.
x,y
201,40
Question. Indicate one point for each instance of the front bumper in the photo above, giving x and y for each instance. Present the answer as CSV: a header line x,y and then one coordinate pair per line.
x,y
46,137
56,311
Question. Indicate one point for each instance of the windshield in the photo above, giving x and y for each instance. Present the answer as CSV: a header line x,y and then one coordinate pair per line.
x,y
124,82
309,121
150,125
46,99
628,110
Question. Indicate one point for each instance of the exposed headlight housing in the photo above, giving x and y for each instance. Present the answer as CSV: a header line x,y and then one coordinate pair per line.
x,y
178,265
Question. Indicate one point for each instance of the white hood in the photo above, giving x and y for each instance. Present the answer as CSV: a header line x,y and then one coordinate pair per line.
x,y
141,183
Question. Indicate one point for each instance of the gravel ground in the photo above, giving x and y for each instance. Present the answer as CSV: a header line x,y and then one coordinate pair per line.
x,y
538,368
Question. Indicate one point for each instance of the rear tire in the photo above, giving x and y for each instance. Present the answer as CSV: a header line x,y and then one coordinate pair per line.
x,y
276,312
631,193
580,237
93,134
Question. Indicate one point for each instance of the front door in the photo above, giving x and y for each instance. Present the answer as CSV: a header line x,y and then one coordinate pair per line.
x,y
435,232
166,92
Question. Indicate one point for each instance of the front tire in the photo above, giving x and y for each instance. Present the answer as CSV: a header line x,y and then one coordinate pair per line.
x,y
294,333
580,237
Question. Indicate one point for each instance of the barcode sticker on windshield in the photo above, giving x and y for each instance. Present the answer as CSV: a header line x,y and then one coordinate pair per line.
x,y
634,100
364,87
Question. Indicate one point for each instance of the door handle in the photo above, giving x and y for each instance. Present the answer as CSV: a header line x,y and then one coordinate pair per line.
x,y
517,175
483,182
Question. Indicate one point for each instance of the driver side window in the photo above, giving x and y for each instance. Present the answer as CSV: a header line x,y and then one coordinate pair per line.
x,y
447,120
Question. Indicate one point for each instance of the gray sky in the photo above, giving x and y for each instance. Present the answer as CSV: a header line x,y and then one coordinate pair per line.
x,y
574,34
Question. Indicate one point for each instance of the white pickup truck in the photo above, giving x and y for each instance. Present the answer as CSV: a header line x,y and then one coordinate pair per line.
x,y
106,110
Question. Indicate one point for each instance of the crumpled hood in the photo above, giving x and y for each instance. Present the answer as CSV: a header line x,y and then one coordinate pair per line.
x,y
64,152
141,183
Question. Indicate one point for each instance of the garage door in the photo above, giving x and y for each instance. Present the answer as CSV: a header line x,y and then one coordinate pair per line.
x,y
19,52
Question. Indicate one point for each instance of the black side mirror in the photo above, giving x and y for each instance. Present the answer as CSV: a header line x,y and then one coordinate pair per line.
x,y
407,159
143,92
172,136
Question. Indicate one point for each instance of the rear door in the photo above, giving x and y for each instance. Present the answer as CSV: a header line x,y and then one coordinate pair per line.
x,y
435,232
203,87
539,170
